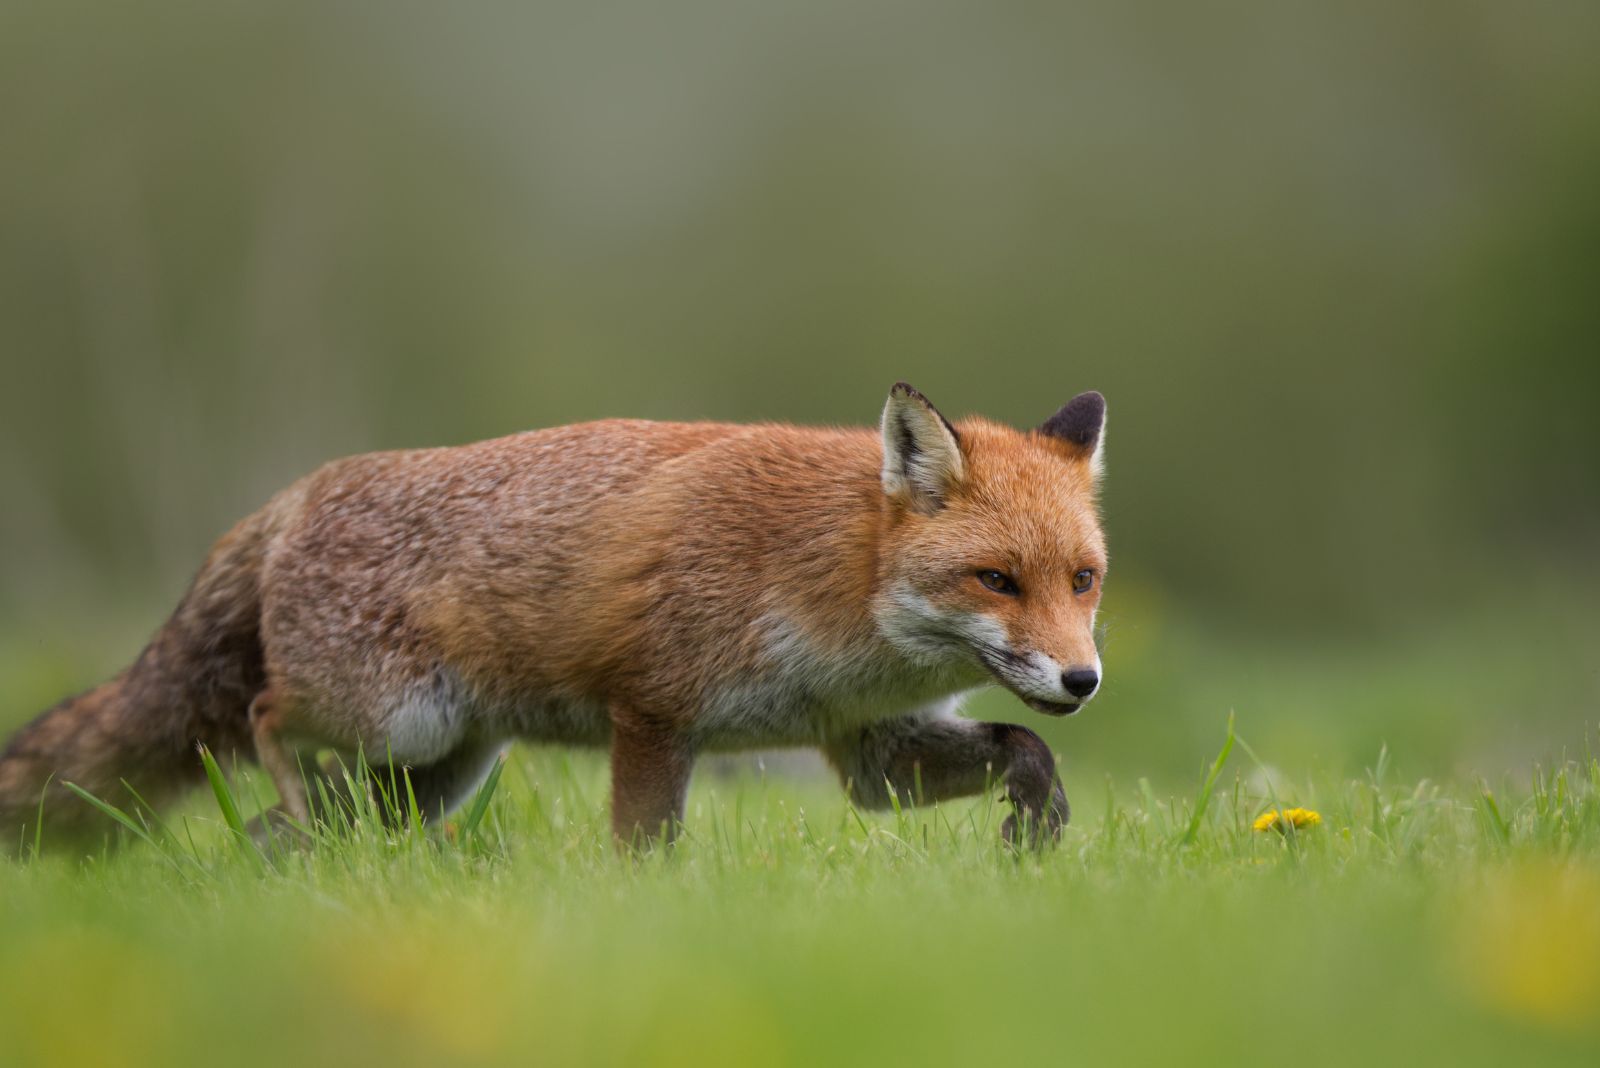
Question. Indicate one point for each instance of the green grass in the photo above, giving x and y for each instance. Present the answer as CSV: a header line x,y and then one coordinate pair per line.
x,y
1418,923
1432,917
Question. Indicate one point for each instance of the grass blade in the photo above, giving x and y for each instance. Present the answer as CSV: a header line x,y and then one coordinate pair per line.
x,y
229,808
38,827
114,812
1492,817
480,801
1210,784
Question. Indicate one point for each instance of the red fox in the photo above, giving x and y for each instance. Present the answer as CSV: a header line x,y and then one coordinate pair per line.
x,y
666,589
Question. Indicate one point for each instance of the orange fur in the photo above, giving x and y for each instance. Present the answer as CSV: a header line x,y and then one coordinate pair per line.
x,y
663,588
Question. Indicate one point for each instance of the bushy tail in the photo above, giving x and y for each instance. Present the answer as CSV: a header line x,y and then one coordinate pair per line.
x,y
193,683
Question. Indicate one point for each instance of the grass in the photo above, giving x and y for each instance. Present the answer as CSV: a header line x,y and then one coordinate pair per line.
x,y
1434,915
1418,922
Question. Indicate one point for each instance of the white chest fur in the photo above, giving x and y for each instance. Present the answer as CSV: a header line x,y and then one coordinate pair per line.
x,y
802,694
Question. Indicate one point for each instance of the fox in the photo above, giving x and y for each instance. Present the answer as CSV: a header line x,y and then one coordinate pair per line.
x,y
662,589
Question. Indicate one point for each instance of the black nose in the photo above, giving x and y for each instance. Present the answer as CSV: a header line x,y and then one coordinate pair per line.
x,y
1080,683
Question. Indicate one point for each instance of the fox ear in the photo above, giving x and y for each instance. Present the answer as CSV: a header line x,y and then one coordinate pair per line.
x,y
1081,423
921,451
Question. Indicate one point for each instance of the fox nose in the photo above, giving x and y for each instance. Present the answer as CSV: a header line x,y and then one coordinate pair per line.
x,y
1080,683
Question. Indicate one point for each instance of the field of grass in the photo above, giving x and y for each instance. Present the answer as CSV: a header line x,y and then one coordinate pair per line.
x,y
1446,909
1417,923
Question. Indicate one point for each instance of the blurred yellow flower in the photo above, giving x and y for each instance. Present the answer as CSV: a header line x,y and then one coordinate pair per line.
x,y
1527,943
1298,818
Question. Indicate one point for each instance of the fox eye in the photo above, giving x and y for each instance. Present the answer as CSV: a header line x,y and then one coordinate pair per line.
x,y
1083,581
999,582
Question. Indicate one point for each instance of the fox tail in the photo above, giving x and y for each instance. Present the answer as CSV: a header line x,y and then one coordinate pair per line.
x,y
192,684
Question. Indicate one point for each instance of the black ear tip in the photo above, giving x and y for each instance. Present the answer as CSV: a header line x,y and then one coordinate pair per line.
x,y
1079,420
1092,401
906,391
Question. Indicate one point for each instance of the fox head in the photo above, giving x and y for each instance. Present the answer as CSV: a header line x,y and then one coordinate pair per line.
x,y
994,556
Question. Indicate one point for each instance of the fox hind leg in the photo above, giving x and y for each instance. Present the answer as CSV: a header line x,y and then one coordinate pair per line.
x,y
443,785
268,718
438,788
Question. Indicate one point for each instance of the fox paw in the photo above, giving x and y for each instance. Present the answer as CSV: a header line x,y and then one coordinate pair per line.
x,y
1025,826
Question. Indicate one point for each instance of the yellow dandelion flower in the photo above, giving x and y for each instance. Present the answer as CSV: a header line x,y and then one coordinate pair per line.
x,y
1298,818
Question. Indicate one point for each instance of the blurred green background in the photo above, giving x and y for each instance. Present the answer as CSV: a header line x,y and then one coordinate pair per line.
x,y
1334,267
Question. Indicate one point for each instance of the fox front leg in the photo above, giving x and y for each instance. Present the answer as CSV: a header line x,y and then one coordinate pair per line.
x,y
923,758
650,767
